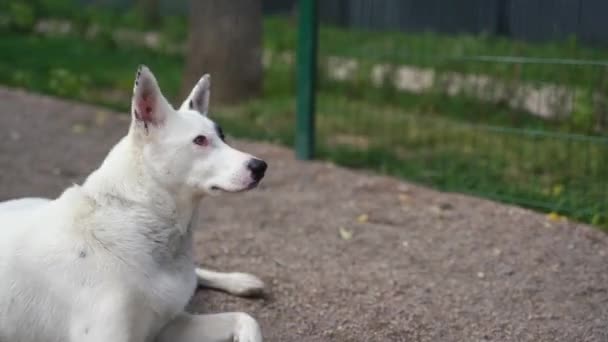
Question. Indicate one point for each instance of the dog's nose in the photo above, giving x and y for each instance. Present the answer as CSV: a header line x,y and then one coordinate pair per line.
x,y
257,168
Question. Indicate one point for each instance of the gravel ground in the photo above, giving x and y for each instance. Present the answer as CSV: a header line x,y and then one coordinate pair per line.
x,y
348,256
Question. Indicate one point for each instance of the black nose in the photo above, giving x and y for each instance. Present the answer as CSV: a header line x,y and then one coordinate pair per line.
x,y
257,167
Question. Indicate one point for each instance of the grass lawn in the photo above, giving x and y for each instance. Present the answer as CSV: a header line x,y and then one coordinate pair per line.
x,y
449,142
546,62
72,68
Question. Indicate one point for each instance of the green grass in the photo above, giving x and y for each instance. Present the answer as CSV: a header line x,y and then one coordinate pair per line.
x,y
446,52
535,169
441,52
450,52
72,68
564,64
395,46
448,142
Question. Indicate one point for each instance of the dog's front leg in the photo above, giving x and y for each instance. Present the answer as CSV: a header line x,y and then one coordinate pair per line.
x,y
223,327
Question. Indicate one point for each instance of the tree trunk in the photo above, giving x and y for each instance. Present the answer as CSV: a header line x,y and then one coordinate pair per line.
x,y
225,40
150,11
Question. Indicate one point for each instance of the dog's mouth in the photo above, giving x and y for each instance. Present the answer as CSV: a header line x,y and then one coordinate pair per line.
x,y
251,185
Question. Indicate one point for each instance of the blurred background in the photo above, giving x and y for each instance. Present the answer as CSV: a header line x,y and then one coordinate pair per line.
x,y
504,99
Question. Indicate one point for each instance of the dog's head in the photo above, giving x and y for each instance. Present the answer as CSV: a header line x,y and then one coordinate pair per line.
x,y
183,149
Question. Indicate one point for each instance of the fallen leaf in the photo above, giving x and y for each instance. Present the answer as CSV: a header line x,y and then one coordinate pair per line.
x,y
555,217
78,128
345,234
100,118
405,198
403,188
436,210
363,218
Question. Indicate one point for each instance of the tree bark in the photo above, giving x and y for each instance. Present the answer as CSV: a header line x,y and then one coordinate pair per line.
x,y
150,11
225,40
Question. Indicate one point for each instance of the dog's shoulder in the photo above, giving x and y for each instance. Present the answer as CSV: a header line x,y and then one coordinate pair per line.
x,y
71,210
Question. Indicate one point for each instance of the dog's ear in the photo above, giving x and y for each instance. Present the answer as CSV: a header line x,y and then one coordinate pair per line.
x,y
148,105
199,96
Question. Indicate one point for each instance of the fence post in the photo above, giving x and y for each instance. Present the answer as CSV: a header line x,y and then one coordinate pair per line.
x,y
306,77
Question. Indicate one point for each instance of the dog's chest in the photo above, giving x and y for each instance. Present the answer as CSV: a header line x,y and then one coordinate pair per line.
x,y
157,296
171,287
173,279
159,255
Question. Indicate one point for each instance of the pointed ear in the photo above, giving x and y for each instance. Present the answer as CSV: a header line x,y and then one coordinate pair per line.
x,y
148,105
199,96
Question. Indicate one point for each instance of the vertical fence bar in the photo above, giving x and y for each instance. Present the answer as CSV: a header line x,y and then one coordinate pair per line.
x,y
306,77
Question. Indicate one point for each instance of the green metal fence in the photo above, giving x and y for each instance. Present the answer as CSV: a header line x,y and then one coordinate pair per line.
x,y
515,121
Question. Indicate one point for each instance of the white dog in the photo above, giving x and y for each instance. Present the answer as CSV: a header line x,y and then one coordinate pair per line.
x,y
111,260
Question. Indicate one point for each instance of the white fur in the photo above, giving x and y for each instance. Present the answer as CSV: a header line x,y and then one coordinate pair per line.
x,y
236,283
111,260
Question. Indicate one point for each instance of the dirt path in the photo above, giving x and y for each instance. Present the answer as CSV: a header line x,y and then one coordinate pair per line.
x,y
422,266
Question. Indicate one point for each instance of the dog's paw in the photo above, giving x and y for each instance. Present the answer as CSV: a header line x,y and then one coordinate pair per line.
x,y
244,285
247,329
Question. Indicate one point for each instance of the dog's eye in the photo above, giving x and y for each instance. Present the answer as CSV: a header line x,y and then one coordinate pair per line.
x,y
200,140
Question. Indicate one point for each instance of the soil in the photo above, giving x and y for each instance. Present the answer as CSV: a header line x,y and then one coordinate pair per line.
x,y
347,255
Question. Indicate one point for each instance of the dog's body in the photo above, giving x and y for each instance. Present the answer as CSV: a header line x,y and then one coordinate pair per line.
x,y
111,260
